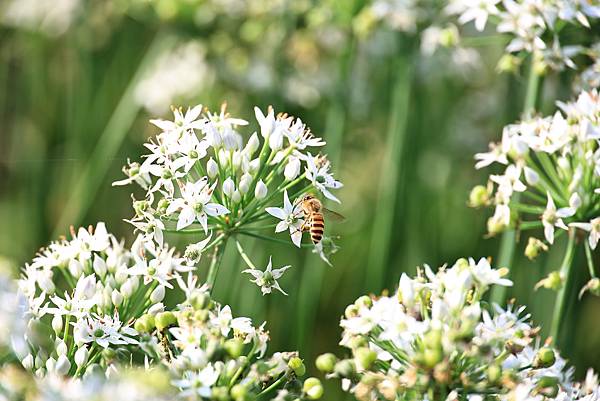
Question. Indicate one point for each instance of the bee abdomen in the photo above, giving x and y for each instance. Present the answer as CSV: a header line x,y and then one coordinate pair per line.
x,y
317,228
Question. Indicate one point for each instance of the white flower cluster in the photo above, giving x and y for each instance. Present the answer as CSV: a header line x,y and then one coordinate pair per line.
x,y
533,25
434,339
201,172
553,163
133,384
213,355
84,293
12,323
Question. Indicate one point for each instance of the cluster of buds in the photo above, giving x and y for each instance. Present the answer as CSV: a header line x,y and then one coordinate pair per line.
x,y
213,355
534,27
433,339
551,177
83,295
201,177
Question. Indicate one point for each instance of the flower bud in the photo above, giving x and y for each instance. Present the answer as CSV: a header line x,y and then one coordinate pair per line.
x,y
531,176
544,358
326,362
81,356
254,166
165,319
223,158
239,392
57,323
252,145
127,288
508,63
234,347
547,386
552,282
364,357
50,364
61,347
28,362
116,298
495,225
63,365
364,301
228,187
145,323
46,284
212,169
158,294
99,266
162,206
313,388
236,160
534,247
292,169
219,393
297,366
75,268
245,183
109,354
261,190
236,197
479,196
494,373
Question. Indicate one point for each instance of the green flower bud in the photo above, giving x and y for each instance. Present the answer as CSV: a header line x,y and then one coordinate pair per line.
x,y
544,358
357,342
313,388
144,324
432,356
109,354
239,392
547,386
479,196
365,357
508,63
552,282
534,247
162,206
234,347
220,393
495,226
326,362
297,366
201,315
165,319
494,373
433,339
199,300
351,311
140,206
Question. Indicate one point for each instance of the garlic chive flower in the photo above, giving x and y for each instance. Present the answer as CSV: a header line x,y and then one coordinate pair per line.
x,y
267,279
203,176
83,295
436,338
211,354
549,176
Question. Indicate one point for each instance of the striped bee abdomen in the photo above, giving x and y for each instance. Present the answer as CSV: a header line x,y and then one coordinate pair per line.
x,y
317,226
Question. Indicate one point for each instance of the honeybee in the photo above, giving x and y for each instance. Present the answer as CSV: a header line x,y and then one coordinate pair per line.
x,y
313,211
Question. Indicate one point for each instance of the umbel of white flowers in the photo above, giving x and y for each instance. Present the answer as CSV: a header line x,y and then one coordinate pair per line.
x,y
203,177
550,178
82,296
435,339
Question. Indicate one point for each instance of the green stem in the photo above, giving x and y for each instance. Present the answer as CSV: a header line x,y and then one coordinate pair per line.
x,y
508,241
563,294
590,260
244,256
272,387
215,264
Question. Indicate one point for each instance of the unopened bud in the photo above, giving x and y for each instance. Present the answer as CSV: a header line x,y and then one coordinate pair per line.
x,y
479,196
81,356
508,63
234,347
534,247
544,358
292,169
313,388
158,294
551,282
547,386
364,358
495,225
57,323
116,298
239,392
245,183
236,197
63,365
165,319
144,324
28,362
228,187
297,366
326,362
212,168
261,190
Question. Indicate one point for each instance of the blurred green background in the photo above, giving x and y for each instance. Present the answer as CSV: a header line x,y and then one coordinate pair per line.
x,y
80,79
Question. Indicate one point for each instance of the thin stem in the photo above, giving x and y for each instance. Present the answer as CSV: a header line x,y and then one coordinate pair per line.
x,y
215,264
561,299
590,260
508,241
244,255
271,387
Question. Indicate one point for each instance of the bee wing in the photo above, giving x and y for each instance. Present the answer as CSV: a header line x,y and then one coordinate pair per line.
x,y
333,215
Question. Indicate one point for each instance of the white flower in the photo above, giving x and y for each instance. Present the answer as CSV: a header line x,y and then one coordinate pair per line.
x,y
474,10
553,218
289,219
103,330
197,383
267,279
194,205
594,229
182,122
484,274
317,171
